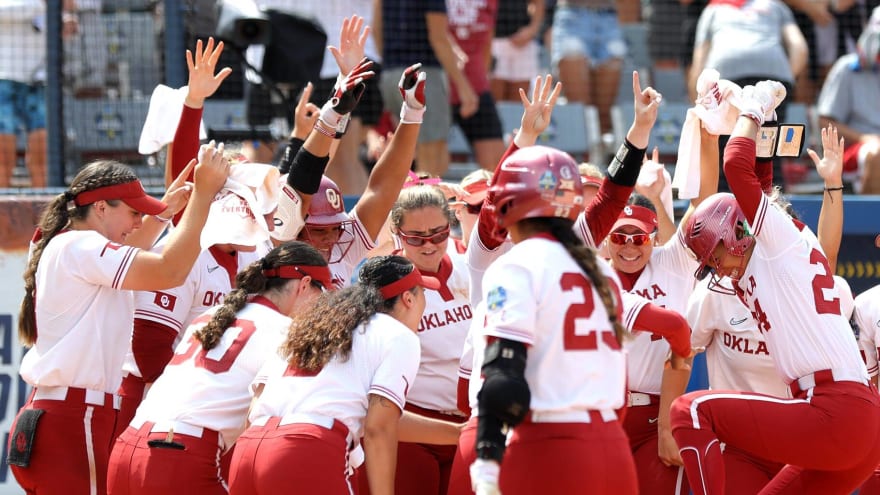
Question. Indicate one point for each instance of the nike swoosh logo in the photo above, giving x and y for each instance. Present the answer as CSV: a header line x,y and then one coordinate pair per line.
x,y
212,268
737,322
653,420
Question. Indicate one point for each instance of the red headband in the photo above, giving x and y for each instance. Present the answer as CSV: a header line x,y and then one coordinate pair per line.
x,y
320,274
131,193
407,282
477,187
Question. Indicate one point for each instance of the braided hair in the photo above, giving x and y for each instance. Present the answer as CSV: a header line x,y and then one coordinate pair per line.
x,y
57,216
251,280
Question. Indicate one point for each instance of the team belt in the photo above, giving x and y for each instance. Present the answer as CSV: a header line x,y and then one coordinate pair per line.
x,y
635,399
79,395
809,381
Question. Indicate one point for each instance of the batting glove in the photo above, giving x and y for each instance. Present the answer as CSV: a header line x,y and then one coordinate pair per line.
x,y
346,94
412,89
484,477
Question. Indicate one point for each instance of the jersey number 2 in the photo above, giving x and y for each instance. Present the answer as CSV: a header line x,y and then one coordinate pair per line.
x,y
589,341
823,281
233,349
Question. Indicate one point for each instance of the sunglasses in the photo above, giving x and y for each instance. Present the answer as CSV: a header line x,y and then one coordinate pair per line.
x,y
639,239
420,240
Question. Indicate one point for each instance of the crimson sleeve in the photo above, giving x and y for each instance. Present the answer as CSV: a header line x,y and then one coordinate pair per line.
x,y
461,399
739,168
153,346
668,324
604,210
487,228
185,146
764,171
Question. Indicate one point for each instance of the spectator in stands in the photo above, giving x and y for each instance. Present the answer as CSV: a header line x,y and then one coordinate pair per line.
x,y
749,41
22,87
850,100
587,51
515,48
471,23
417,31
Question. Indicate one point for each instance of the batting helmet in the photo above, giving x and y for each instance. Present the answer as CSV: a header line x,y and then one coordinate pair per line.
x,y
536,182
718,219
328,210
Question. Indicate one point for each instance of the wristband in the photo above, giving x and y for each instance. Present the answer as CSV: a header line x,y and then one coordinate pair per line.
x,y
626,165
828,191
320,128
166,220
410,115
306,171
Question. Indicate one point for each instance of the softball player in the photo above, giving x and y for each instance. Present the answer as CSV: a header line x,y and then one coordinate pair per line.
x,y
556,319
329,392
236,239
196,409
828,433
420,222
78,303
660,274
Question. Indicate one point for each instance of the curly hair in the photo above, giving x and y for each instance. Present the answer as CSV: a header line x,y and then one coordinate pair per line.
x,y
57,216
251,280
327,328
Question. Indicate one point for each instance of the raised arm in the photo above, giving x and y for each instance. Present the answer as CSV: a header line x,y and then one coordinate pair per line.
x,y
830,168
391,170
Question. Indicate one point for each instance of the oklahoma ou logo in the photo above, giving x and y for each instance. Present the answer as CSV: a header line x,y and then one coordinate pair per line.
x,y
333,198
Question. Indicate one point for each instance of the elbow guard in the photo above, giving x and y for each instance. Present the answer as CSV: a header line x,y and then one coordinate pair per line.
x,y
289,218
626,165
505,393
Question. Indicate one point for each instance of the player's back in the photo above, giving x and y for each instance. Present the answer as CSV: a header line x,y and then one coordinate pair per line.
x,y
539,295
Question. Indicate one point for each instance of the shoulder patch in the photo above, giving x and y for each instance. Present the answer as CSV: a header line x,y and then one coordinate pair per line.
x,y
496,298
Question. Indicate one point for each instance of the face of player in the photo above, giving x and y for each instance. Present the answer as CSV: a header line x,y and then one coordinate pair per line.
x,y
427,224
630,257
116,223
321,237
726,264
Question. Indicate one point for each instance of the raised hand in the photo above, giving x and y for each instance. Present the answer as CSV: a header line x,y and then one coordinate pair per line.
x,y
412,89
352,40
212,170
654,190
202,81
178,192
646,101
830,167
305,114
537,111
346,94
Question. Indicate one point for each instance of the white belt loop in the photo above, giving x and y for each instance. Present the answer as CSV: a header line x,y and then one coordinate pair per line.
x,y
635,399
312,419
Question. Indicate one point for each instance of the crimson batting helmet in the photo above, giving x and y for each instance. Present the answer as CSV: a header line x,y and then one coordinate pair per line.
x,y
327,210
718,219
536,182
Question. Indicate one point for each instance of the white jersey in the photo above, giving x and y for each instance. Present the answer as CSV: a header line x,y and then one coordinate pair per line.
x,y
736,353
667,281
84,319
442,332
211,278
210,389
474,351
479,257
866,317
791,293
343,269
383,361
574,360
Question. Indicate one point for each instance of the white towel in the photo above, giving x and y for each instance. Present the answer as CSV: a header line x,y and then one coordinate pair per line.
x,y
647,177
716,109
236,215
166,106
